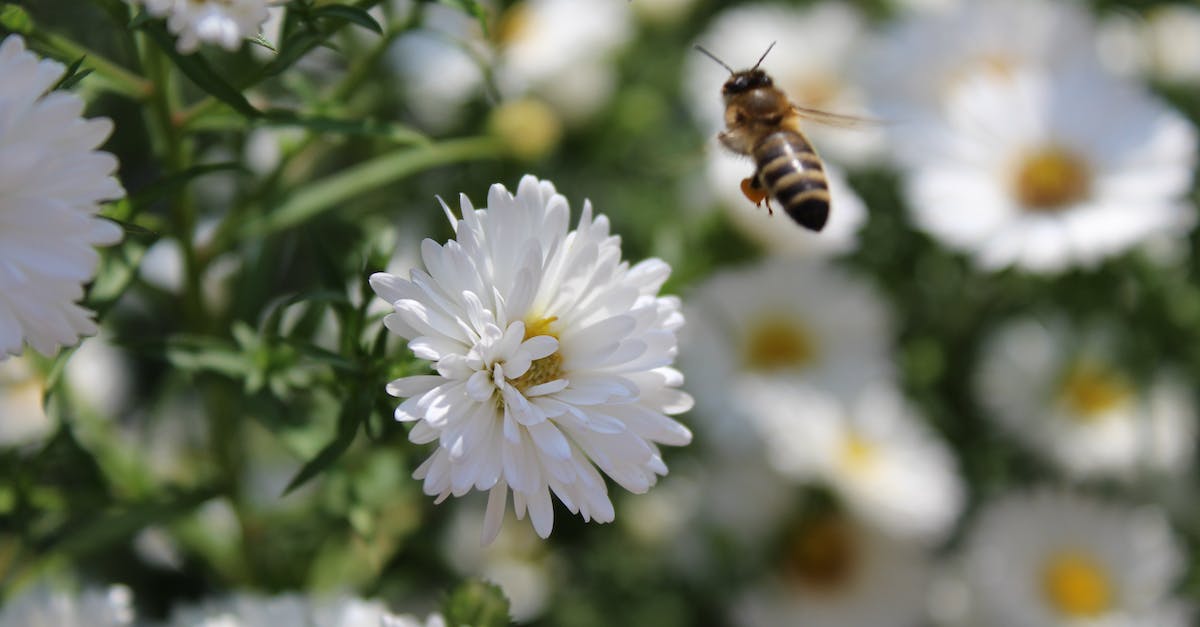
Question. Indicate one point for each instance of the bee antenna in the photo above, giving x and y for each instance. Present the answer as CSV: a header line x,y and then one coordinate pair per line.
x,y
714,58
764,55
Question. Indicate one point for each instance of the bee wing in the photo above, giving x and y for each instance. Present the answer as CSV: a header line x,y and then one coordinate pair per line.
x,y
835,119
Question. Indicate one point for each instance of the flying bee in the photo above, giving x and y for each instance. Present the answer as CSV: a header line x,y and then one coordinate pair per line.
x,y
761,123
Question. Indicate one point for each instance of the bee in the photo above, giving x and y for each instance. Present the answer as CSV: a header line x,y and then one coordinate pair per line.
x,y
761,123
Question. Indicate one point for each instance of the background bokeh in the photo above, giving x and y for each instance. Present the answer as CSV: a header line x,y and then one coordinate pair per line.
x,y
1001,323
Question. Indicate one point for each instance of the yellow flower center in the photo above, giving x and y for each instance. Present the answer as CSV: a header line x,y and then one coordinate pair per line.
x,y
546,369
1091,390
1077,586
775,344
514,24
823,555
528,127
858,453
1051,179
817,91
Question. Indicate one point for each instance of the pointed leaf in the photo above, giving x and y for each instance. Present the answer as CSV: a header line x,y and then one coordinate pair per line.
x,y
200,72
351,14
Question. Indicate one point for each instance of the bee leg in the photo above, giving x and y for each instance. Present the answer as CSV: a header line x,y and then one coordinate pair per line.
x,y
753,190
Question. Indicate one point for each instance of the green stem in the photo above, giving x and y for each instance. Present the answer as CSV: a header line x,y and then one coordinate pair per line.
x,y
316,198
115,78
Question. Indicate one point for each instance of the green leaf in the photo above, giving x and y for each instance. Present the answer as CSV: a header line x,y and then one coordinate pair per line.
x,y
472,8
15,19
351,14
355,412
168,185
476,603
200,72
72,76
397,133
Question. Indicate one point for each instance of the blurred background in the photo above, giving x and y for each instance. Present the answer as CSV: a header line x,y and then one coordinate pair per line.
x,y
969,400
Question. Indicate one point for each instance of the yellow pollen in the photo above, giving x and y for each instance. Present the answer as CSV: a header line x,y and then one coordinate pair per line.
x,y
514,24
1077,586
823,555
858,453
1091,390
547,368
1051,179
775,344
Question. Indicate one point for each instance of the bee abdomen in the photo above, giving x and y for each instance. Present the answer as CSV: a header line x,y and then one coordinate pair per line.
x,y
791,171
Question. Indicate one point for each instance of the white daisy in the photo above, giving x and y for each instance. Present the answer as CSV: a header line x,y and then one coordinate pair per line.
x,y
1048,559
517,561
41,607
1046,172
255,611
552,355
441,65
1065,394
875,454
920,61
837,572
1164,44
23,419
777,233
52,180
223,22
815,49
562,51
796,319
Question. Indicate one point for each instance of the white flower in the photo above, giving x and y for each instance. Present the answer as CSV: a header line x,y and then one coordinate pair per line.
x,y
255,611
223,22
815,49
441,64
1164,44
517,561
837,573
52,180
1048,172
562,50
796,319
777,233
1048,559
921,61
41,607
874,453
1065,394
552,356
22,418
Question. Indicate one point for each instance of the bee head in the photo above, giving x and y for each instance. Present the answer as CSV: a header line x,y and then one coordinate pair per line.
x,y
744,81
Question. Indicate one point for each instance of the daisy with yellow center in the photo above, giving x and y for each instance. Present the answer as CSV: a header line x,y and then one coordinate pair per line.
x,y
1063,392
1045,172
1047,559
552,359
833,571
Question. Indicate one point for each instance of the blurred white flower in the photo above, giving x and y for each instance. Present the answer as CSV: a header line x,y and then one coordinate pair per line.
x,y
777,233
1164,44
876,455
562,50
255,611
99,376
1063,393
23,419
440,64
1048,559
552,355
52,180
796,319
41,607
1048,172
816,47
921,61
517,561
838,573
223,22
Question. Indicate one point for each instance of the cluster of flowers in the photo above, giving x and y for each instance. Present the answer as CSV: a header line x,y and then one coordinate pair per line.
x,y
114,607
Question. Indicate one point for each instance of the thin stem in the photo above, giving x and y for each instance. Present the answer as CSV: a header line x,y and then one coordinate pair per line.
x,y
114,77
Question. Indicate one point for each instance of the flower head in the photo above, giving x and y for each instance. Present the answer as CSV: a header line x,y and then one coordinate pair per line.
x,y
552,357
1045,559
254,611
52,180
223,22
42,607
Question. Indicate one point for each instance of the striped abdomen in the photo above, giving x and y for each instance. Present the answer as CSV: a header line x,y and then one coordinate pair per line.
x,y
791,171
